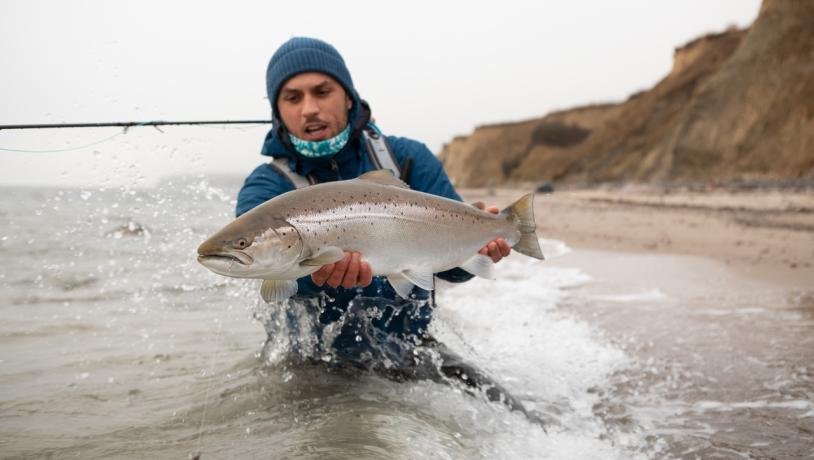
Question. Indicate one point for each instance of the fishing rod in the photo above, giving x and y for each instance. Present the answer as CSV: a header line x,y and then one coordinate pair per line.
x,y
129,124
121,124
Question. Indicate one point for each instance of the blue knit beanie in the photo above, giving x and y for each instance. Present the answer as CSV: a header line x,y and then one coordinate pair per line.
x,y
302,54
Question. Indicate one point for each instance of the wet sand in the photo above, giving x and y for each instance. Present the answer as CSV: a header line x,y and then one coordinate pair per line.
x,y
713,295
763,234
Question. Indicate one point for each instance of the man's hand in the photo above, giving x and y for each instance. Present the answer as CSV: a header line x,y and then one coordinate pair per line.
x,y
498,248
349,272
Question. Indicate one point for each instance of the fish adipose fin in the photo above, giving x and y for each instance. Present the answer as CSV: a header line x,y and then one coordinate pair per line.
x,y
327,255
480,265
522,214
383,177
401,285
277,290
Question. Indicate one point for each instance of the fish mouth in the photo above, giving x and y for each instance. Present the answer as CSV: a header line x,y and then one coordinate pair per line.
x,y
229,256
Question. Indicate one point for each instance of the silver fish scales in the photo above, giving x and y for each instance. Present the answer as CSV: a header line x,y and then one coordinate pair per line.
x,y
404,234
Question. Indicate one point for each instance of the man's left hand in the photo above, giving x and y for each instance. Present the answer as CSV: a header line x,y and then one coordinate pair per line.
x,y
498,248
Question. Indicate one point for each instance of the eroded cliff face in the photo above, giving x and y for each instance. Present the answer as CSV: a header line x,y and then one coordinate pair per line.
x,y
736,105
755,117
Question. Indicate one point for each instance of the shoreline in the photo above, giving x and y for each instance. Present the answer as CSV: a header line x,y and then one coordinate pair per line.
x,y
760,234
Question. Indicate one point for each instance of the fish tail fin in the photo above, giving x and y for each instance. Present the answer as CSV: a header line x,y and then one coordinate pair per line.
x,y
521,212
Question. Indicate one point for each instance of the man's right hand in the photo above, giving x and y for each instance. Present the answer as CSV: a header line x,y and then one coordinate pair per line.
x,y
349,272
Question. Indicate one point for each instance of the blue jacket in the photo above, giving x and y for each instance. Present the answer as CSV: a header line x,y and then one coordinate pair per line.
x,y
406,319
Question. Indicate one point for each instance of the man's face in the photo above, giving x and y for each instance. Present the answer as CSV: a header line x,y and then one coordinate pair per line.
x,y
313,106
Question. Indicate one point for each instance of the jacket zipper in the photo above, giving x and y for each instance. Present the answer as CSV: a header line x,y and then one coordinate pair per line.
x,y
335,168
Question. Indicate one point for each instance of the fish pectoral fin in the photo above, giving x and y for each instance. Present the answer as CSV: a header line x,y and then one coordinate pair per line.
x,y
401,285
383,177
277,290
480,265
327,255
423,278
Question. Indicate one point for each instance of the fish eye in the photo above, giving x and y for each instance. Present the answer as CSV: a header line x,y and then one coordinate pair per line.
x,y
241,243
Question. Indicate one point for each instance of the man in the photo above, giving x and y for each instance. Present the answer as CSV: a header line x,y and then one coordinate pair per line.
x,y
318,121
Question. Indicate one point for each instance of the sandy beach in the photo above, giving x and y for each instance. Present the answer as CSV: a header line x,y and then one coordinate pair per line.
x,y
764,234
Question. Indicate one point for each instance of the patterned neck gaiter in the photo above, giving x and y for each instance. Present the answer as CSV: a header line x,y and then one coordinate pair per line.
x,y
316,149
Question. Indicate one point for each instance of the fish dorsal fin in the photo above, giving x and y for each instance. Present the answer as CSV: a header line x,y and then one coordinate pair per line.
x,y
325,256
277,290
383,177
480,265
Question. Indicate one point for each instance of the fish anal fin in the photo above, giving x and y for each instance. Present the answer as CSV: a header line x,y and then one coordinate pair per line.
x,y
401,285
480,265
383,177
423,278
277,290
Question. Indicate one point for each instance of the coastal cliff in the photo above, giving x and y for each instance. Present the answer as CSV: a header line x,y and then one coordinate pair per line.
x,y
737,105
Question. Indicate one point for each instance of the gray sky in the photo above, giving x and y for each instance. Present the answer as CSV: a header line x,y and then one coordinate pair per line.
x,y
430,69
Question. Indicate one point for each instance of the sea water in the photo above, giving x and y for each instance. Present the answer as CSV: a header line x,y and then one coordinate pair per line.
x,y
116,343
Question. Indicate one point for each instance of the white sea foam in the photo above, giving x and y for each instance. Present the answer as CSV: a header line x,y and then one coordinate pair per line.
x,y
734,311
553,248
514,328
650,295
797,404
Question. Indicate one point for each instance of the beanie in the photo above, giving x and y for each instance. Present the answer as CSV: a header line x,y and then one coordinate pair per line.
x,y
302,54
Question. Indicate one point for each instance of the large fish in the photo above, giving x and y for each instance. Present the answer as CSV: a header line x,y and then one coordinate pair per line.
x,y
404,234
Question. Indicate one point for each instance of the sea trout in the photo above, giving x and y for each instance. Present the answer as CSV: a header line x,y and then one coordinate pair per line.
x,y
404,234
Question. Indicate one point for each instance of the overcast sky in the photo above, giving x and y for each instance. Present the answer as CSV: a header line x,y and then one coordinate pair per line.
x,y
431,70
